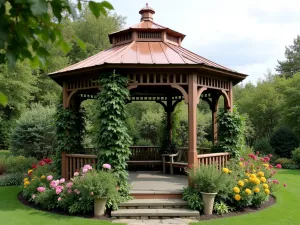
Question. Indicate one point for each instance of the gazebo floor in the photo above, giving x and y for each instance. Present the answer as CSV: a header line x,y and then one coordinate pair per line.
x,y
156,185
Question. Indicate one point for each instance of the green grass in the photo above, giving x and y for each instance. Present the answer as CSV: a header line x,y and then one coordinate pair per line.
x,y
12,212
284,212
5,153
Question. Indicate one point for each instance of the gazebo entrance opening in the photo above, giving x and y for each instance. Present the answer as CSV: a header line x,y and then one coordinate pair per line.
x,y
158,69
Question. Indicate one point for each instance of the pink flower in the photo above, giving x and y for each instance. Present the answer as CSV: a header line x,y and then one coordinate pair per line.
x,y
62,180
84,170
270,155
69,185
76,174
76,191
88,167
92,193
58,191
284,185
106,166
59,199
278,166
69,191
41,189
275,182
49,178
242,159
33,196
257,153
54,183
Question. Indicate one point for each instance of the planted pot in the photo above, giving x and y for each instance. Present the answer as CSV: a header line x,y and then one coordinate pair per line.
x,y
99,207
208,199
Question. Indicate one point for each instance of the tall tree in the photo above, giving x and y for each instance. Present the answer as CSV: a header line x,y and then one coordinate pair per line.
x,y
291,64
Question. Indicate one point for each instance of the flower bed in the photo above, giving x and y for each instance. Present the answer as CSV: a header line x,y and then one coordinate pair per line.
x,y
43,188
246,182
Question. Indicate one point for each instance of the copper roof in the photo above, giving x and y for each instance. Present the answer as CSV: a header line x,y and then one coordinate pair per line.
x,y
164,48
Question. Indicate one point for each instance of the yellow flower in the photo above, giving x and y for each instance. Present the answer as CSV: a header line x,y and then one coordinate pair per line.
x,y
241,183
236,190
253,171
263,179
25,179
246,180
237,197
248,191
267,191
256,181
30,171
253,176
265,186
26,183
266,165
43,177
229,171
261,174
248,174
256,190
241,164
225,170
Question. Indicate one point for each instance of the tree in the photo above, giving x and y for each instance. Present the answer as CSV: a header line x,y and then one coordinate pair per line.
x,y
287,68
26,25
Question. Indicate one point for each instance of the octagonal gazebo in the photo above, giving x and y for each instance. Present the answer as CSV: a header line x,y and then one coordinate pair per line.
x,y
158,69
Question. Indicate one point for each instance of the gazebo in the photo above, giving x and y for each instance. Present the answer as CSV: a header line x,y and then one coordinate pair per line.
x,y
158,69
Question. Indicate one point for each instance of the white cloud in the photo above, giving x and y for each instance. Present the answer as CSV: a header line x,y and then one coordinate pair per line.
x,y
264,27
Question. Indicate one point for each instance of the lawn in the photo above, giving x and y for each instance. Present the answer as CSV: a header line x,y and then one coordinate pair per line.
x,y
284,212
5,153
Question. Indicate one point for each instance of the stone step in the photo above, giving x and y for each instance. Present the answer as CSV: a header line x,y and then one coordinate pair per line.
x,y
153,203
154,213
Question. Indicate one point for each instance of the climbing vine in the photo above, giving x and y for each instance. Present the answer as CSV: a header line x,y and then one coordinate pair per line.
x,y
230,132
70,130
113,140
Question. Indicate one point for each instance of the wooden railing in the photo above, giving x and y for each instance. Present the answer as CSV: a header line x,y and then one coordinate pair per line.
x,y
219,159
144,153
71,163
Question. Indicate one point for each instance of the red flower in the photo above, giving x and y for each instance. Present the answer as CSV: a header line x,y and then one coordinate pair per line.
x,y
278,166
284,185
47,161
41,163
34,166
257,153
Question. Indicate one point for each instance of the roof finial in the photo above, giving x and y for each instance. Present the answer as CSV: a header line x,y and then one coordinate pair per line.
x,y
147,13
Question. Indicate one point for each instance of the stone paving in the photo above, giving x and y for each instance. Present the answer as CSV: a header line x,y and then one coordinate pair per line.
x,y
175,221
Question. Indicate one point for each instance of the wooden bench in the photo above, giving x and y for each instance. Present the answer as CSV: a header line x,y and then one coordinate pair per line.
x,y
145,156
178,159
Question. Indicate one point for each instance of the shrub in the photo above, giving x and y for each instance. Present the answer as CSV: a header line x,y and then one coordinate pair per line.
x,y
206,178
34,134
76,196
193,198
284,141
296,156
286,163
263,145
15,164
11,179
221,208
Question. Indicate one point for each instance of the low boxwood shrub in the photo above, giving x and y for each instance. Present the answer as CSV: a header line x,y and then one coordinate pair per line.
x,y
11,179
286,163
193,198
15,164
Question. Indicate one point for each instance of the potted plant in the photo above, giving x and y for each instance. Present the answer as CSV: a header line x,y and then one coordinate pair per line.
x,y
207,180
99,185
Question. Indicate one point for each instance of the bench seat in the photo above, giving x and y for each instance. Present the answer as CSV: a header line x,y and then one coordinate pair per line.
x,y
145,162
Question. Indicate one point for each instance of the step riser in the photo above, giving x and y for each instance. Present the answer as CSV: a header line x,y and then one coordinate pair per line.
x,y
154,217
154,207
156,196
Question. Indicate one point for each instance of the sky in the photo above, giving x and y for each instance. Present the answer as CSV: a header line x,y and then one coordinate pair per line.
x,y
246,36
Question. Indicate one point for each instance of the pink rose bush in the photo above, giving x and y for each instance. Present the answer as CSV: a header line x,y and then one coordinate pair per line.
x,y
49,192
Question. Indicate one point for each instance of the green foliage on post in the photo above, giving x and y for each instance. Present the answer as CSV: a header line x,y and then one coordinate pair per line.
x,y
230,132
70,130
113,140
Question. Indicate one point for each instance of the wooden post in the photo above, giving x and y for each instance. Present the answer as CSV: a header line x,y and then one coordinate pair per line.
x,y
230,96
169,118
214,113
65,95
192,121
63,165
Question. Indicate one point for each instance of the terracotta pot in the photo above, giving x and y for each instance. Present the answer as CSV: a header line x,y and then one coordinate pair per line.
x,y
99,207
208,199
